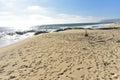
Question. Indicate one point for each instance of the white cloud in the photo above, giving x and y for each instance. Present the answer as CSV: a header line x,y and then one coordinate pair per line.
x,y
31,15
37,19
5,13
8,17
34,8
68,18
37,9
8,3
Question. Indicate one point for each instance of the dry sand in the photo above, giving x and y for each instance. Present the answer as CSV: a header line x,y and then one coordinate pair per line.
x,y
115,25
67,55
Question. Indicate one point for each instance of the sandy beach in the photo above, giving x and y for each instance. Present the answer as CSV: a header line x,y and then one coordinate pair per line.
x,y
115,25
65,55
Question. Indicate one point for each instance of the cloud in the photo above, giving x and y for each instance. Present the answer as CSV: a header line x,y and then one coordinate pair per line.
x,y
68,18
34,8
5,13
60,18
8,3
37,9
38,19
30,15
8,17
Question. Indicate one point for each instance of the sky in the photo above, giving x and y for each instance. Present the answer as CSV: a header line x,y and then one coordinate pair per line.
x,y
23,13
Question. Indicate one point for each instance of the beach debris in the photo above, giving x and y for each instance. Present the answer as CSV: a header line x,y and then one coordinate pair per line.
x,y
86,33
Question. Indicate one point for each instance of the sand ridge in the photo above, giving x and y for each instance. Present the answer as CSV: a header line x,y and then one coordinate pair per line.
x,y
67,55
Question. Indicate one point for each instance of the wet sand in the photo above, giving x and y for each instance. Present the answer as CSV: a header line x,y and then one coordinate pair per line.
x,y
66,55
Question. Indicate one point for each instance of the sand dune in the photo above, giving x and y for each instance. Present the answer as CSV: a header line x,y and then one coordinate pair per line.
x,y
67,55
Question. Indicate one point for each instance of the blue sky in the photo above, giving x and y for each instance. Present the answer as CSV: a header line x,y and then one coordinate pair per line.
x,y
99,8
36,12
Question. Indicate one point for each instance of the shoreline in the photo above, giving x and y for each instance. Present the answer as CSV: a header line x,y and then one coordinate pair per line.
x,y
18,35
108,27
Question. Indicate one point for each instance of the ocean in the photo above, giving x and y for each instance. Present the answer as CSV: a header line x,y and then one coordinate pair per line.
x,y
9,35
